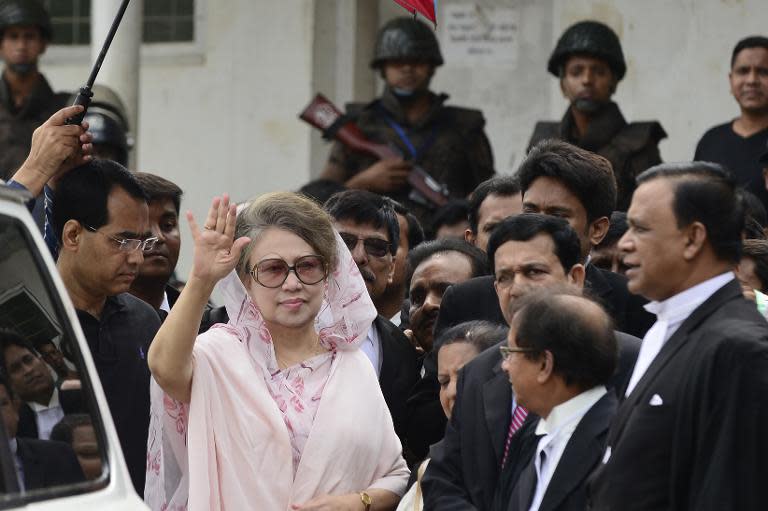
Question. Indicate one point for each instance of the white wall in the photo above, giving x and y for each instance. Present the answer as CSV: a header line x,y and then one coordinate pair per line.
x,y
227,121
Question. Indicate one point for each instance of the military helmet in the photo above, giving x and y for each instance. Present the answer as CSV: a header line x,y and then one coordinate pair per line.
x,y
108,123
25,12
589,38
406,38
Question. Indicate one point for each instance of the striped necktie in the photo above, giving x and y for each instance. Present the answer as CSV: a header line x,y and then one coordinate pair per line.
x,y
518,417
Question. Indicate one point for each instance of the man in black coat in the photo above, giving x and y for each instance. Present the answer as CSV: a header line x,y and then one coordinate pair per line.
x,y
562,180
368,225
690,434
39,463
527,252
560,355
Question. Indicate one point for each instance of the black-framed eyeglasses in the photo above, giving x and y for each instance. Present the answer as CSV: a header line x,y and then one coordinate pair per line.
x,y
375,247
128,244
506,351
271,273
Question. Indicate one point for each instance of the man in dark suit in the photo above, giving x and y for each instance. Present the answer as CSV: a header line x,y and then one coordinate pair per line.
x,y
31,379
527,252
560,356
39,463
368,225
690,434
432,268
562,180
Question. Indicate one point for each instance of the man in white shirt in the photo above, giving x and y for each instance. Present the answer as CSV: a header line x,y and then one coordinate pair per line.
x,y
32,381
560,355
690,434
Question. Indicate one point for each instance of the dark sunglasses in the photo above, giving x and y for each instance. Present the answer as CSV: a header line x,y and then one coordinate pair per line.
x,y
272,273
375,247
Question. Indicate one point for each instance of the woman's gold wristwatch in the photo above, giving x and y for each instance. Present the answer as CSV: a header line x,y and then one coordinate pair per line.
x,y
367,500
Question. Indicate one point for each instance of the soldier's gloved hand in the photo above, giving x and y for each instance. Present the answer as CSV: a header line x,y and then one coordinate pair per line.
x,y
56,149
383,176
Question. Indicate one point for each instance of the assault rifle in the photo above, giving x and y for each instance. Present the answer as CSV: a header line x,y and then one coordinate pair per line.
x,y
323,115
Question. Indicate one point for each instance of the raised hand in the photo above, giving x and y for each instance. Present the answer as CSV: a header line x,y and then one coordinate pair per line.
x,y
216,251
56,148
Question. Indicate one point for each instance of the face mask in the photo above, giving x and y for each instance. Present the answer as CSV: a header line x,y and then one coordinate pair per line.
x,y
23,69
588,106
406,96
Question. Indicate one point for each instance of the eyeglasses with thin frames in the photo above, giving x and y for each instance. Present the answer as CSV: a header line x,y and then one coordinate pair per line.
x,y
506,351
128,244
272,273
374,247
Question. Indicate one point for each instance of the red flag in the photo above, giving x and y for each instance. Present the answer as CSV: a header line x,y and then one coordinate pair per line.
x,y
427,8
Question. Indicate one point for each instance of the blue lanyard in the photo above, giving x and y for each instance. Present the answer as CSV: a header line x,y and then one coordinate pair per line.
x,y
404,136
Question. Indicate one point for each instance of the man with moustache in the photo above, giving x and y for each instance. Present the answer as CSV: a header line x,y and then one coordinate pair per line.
x,y
690,433
100,217
527,252
448,142
739,144
369,227
589,63
433,267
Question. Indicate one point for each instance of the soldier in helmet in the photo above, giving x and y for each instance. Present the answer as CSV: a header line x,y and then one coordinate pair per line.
x,y
447,142
109,126
26,99
589,63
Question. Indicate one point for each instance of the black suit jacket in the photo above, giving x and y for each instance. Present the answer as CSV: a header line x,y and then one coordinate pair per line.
x,y
399,371
27,427
470,300
626,309
464,470
566,490
46,463
476,299
692,434
71,401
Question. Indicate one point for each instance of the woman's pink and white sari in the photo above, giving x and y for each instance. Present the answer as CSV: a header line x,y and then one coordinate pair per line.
x,y
255,437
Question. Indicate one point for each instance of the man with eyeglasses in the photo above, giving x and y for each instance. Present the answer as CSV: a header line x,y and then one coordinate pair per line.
x,y
368,225
100,217
527,252
560,356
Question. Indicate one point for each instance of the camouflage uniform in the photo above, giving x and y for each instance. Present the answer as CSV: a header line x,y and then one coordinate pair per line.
x,y
630,147
450,144
17,125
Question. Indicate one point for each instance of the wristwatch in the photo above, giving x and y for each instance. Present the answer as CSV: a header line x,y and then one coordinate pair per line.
x,y
367,500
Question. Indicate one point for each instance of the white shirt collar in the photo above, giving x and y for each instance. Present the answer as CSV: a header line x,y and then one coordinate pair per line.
x,y
569,411
165,306
678,307
53,403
